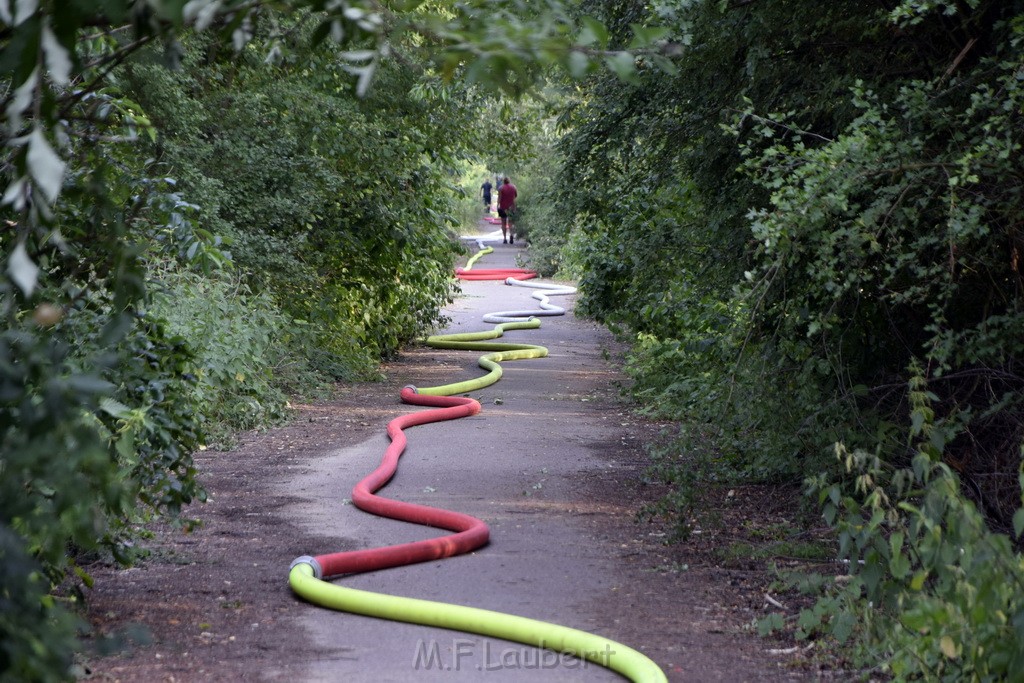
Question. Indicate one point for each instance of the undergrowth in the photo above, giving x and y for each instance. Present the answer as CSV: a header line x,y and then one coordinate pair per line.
x,y
248,358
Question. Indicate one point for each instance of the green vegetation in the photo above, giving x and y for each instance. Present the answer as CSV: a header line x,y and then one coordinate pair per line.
x,y
806,216
811,229
208,207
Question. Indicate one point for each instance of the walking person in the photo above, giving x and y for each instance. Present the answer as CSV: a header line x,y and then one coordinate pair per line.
x,y
506,208
485,189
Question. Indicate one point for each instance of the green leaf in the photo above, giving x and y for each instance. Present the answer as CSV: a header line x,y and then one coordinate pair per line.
x,y
23,9
23,271
45,167
828,513
665,64
808,620
645,36
895,543
769,624
20,55
915,621
593,32
172,10
23,97
126,446
85,576
578,64
89,384
58,59
357,55
916,422
842,626
899,566
114,408
624,66
1018,522
948,647
115,329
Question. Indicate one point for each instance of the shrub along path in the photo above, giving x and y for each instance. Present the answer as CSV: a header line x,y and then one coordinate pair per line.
x,y
553,464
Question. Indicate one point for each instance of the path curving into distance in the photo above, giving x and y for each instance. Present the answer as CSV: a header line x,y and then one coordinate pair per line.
x,y
309,575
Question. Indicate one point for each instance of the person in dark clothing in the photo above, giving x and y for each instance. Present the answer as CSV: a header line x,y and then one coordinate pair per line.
x,y
485,189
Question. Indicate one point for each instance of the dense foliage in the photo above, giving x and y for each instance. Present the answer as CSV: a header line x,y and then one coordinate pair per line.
x,y
808,215
813,229
335,206
206,208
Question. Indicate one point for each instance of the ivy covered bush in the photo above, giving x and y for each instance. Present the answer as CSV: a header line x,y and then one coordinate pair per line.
x,y
330,205
812,230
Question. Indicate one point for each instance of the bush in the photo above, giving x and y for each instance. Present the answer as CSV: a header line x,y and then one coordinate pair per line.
x,y
96,429
813,232
335,208
246,354
936,594
38,633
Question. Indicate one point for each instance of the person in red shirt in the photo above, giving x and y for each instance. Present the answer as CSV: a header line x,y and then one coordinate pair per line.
x,y
506,208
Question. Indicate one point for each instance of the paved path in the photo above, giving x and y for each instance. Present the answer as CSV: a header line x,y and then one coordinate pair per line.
x,y
515,465
537,465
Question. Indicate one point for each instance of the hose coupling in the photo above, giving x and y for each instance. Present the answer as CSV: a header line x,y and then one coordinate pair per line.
x,y
318,571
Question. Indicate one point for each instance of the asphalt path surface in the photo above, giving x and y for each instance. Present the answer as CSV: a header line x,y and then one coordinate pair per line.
x,y
516,465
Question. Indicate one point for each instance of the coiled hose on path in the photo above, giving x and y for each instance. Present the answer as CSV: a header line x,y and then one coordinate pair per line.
x,y
308,575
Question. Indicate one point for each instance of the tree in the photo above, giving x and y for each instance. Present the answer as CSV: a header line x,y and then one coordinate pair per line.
x,y
813,230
